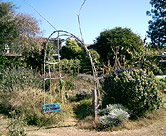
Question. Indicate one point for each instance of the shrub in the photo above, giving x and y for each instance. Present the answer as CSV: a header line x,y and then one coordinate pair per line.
x,y
110,108
70,66
162,83
83,94
113,115
136,89
16,79
28,102
83,109
16,125
20,91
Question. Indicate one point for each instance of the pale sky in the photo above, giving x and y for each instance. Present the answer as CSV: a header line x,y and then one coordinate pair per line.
x,y
96,15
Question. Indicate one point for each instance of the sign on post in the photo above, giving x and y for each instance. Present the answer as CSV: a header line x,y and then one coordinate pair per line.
x,y
51,107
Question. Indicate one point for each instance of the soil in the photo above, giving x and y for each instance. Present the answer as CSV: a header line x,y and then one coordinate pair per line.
x,y
154,127
69,128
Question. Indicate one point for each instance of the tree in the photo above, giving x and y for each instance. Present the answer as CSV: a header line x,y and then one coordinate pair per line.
x,y
71,50
19,31
129,44
7,24
157,26
74,52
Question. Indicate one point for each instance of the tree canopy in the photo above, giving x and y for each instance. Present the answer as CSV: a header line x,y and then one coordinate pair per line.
x,y
129,44
157,26
17,30
72,50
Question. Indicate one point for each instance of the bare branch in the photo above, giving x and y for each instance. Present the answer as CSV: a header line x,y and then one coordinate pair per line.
x,y
81,7
39,14
79,23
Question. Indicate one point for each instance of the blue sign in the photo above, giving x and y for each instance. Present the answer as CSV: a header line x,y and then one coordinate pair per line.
x,y
51,107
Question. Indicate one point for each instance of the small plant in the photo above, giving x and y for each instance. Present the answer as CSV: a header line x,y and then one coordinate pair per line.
x,y
83,94
16,125
110,108
113,115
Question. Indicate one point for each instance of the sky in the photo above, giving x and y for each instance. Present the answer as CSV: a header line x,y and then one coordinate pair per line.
x,y
96,15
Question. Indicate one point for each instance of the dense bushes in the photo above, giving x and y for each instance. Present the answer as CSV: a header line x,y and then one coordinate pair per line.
x,y
17,79
133,88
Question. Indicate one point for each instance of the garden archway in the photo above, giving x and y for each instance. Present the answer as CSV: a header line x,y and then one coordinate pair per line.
x,y
96,92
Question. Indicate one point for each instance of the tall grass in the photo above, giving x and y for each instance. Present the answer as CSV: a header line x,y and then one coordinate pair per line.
x,y
21,92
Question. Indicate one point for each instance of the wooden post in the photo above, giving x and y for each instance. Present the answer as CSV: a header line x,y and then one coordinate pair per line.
x,y
78,71
94,92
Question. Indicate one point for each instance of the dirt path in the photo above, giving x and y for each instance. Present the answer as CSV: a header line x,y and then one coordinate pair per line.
x,y
71,131
158,128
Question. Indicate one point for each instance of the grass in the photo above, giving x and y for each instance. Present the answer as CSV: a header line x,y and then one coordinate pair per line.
x,y
149,119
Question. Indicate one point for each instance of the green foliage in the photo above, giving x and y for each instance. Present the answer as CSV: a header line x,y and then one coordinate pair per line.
x,y
6,23
136,89
83,109
83,94
148,61
16,79
130,44
71,50
18,31
34,61
162,83
69,84
16,125
95,56
85,61
113,115
70,66
157,29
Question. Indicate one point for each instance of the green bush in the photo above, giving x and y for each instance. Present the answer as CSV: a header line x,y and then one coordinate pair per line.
x,y
113,115
70,66
83,109
133,88
16,125
16,79
162,83
11,62
83,94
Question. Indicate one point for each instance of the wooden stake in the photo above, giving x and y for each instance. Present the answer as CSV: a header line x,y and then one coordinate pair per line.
x,y
94,92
